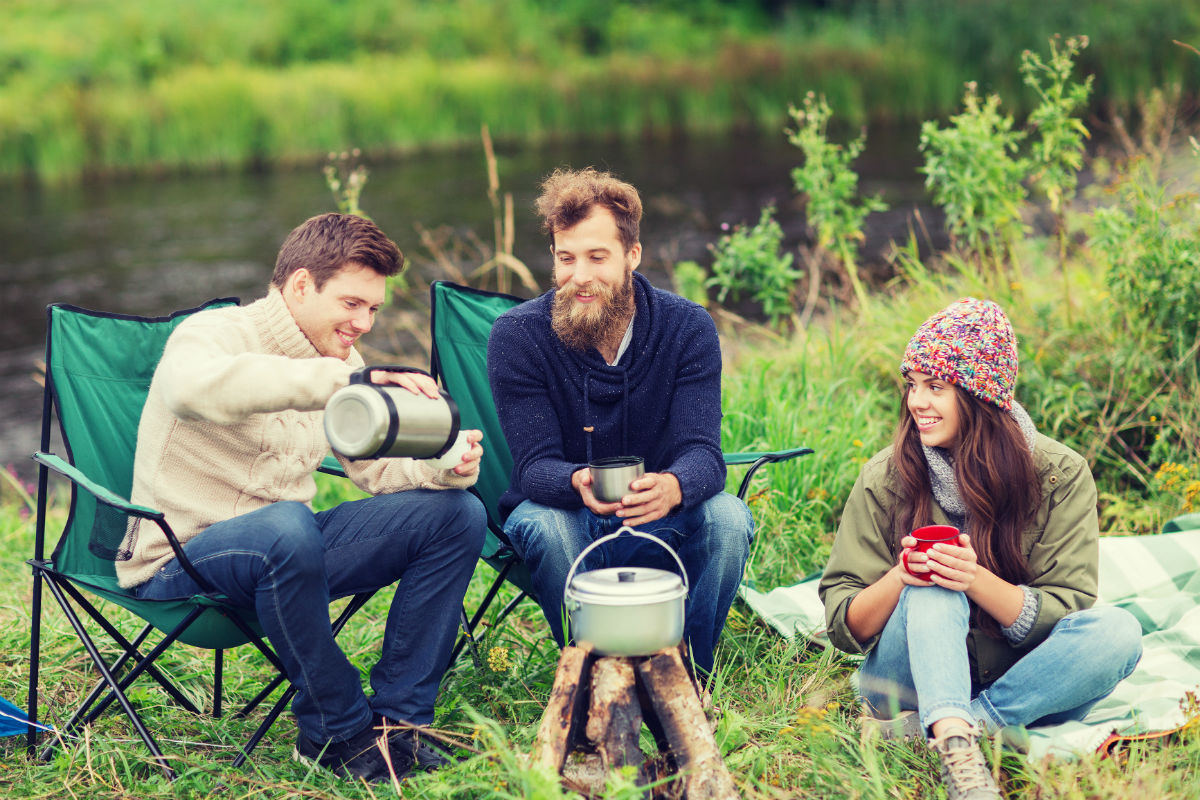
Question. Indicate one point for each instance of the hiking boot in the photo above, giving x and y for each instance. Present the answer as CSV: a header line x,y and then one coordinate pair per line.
x,y
357,758
407,743
905,725
964,772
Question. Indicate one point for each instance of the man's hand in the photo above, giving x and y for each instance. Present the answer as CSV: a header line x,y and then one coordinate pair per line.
x,y
415,382
652,496
471,458
581,481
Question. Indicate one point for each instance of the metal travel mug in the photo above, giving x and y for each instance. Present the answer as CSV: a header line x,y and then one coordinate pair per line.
x,y
371,420
611,476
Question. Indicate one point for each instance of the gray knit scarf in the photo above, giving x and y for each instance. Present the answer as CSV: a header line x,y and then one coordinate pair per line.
x,y
941,470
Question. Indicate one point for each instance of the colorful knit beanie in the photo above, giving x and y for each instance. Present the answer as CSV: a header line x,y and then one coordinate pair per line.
x,y
970,344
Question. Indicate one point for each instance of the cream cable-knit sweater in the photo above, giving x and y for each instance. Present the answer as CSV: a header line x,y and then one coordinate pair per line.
x,y
233,422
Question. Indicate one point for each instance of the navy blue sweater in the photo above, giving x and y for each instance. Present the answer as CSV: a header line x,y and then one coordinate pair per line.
x,y
662,400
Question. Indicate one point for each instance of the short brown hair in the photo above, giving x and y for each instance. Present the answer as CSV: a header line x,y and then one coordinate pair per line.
x,y
325,243
569,195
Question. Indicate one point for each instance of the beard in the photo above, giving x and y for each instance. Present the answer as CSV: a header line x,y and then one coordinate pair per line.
x,y
583,326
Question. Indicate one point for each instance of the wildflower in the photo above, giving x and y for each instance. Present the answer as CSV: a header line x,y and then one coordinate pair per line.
x,y
497,659
857,443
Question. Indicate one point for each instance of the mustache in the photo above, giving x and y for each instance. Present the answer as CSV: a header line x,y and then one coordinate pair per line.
x,y
565,294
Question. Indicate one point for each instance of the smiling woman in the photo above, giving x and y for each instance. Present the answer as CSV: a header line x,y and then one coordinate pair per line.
x,y
959,638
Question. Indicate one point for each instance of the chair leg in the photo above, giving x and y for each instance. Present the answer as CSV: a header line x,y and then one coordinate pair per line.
x,y
272,715
468,634
35,654
98,660
82,712
218,665
131,649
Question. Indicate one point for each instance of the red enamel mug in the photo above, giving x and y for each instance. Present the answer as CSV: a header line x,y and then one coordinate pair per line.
x,y
926,538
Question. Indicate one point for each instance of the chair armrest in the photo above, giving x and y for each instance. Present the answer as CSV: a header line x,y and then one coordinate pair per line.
x,y
110,498
756,460
101,493
331,466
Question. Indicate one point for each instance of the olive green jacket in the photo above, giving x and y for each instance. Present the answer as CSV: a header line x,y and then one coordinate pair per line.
x,y
1061,547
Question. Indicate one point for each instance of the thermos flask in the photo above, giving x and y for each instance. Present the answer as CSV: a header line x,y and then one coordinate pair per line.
x,y
371,420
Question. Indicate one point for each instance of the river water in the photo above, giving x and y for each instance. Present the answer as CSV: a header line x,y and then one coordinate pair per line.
x,y
152,245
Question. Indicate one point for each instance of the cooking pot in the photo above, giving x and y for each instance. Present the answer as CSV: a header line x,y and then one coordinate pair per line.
x,y
626,611
373,420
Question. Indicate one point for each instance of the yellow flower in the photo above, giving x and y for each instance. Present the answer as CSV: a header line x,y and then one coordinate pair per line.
x,y
497,659
858,443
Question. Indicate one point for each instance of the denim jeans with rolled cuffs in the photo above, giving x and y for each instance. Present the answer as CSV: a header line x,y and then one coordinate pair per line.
x,y
287,564
712,540
920,662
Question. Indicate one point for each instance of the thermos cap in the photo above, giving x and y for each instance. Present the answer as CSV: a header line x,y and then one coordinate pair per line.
x,y
356,420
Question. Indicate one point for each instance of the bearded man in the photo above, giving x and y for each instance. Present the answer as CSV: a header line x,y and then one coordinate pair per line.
x,y
607,365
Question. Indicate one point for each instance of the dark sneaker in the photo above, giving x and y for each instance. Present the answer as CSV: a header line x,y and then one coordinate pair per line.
x,y
406,742
965,774
905,725
358,758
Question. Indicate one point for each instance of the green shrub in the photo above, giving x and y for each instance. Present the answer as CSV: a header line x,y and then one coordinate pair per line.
x,y
830,187
748,261
974,172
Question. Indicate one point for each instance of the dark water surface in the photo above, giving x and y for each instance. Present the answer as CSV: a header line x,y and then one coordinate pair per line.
x,y
152,245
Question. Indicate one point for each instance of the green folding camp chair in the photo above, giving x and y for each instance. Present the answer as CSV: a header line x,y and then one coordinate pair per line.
x,y
461,321
98,371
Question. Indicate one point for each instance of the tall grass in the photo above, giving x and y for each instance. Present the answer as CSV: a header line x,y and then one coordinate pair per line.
x,y
101,87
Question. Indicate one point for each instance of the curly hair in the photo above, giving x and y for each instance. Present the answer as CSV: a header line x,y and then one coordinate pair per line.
x,y
568,197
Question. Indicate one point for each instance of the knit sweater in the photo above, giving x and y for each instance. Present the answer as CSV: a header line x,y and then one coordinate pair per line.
x,y
234,422
561,408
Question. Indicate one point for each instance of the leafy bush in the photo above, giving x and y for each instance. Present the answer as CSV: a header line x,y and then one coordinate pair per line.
x,y
831,187
749,261
974,172
1057,153
1149,240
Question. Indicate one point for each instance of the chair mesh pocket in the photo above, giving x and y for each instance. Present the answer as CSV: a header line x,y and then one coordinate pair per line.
x,y
113,534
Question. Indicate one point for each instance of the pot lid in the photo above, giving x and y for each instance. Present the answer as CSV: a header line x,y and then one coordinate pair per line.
x,y
621,585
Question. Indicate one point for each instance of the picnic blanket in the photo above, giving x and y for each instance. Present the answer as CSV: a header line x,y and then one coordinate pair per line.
x,y
1157,578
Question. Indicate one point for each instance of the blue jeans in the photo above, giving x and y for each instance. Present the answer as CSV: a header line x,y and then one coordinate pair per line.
x,y
920,662
287,564
712,540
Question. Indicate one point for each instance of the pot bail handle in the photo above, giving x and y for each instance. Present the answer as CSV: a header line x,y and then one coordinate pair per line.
x,y
610,537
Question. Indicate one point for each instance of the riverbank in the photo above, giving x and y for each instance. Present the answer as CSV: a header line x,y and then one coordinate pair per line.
x,y
107,88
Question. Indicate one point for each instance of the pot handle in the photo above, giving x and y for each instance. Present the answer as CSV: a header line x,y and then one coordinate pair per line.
x,y
610,537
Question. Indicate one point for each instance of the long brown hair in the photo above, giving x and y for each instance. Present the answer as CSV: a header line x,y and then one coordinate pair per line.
x,y
993,466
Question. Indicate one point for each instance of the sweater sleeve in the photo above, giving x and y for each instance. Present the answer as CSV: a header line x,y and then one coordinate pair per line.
x,y
528,416
695,420
209,372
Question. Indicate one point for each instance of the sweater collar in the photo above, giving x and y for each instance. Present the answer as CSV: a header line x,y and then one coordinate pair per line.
x,y
279,328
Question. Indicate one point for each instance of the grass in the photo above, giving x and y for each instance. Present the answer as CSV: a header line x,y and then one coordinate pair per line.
x,y
109,87
786,720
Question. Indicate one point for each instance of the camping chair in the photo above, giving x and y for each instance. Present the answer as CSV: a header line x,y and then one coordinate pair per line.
x,y
461,321
98,371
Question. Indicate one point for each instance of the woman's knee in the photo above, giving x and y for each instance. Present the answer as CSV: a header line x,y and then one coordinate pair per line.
x,y
933,600
1120,633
